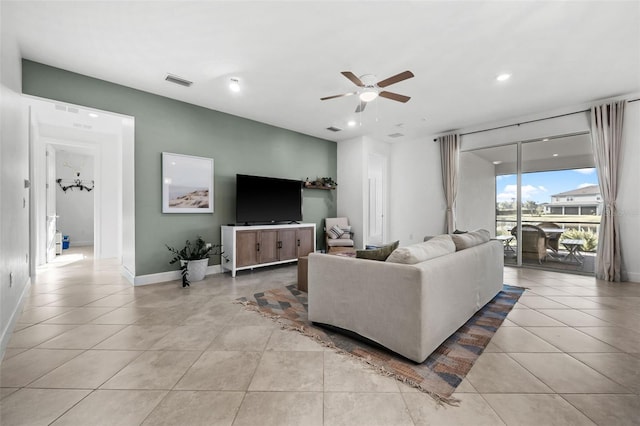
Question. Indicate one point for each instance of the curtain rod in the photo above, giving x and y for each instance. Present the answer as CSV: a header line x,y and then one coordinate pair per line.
x,y
530,121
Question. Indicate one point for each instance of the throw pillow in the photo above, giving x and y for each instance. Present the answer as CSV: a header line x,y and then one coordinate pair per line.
x,y
416,253
335,232
381,253
470,239
346,230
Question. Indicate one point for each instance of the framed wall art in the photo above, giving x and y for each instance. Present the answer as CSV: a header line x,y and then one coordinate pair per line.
x,y
187,184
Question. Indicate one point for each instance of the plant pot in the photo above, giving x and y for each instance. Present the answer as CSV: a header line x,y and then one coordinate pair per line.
x,y
196,269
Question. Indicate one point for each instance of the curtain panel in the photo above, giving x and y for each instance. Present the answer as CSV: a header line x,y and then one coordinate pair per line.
x,y
606,138
450,161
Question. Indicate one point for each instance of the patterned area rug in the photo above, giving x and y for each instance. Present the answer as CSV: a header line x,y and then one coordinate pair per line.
x,y
438,375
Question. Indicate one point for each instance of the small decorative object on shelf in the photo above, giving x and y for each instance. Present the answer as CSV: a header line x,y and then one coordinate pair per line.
x,y
321,183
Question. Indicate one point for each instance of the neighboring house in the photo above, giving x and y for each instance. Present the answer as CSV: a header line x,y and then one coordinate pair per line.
x,y
581,201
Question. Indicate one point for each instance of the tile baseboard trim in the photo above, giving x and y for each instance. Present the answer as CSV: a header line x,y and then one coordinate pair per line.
x,y
167,276
8,330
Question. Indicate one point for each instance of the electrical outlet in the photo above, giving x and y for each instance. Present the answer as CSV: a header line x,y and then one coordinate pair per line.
x,y
10,279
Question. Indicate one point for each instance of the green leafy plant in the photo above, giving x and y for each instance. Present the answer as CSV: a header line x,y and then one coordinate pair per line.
x,y
328,181
590,239
192,251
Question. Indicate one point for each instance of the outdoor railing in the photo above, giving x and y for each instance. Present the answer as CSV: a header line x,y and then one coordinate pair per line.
x,y
587,230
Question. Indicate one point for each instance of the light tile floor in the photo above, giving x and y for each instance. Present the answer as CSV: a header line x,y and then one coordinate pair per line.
x,y
91,349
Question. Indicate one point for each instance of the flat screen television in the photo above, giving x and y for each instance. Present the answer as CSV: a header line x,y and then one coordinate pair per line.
x,y
262,199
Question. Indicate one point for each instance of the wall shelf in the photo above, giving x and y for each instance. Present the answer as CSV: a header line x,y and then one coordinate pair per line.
x,y
319,187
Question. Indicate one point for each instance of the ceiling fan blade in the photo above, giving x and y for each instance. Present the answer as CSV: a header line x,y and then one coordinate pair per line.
x,y
361,107
394,96
395,79
351,76
337,96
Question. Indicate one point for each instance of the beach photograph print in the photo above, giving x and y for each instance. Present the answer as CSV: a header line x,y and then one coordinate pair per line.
x,y
187,184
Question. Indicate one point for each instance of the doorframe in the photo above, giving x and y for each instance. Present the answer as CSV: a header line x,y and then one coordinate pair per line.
x,y
122,152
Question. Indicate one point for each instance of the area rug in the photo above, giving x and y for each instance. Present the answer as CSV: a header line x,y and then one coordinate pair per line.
x,y
438,375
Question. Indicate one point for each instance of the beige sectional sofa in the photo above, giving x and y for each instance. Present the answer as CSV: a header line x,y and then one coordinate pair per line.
x,y
413,301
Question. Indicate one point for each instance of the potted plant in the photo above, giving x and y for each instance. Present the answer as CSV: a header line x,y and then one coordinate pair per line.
x,y
329,182
194,259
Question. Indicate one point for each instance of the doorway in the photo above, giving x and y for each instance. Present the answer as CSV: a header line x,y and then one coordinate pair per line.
x,y
96,161
377,172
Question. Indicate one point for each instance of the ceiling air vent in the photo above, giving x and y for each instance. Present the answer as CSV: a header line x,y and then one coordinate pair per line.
x,y
73,110
61,107
334,129
395,135
178,80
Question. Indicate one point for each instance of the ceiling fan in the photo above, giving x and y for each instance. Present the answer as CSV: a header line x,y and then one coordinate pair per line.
x,y
369,89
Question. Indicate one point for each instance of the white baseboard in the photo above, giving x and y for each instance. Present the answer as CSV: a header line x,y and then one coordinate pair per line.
x,y
127,274
633,276
80,243
8,330
162,277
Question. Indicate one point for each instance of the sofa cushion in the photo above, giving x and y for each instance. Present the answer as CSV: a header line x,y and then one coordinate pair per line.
x,y
335,232
416,253
340,242
381,253
470,239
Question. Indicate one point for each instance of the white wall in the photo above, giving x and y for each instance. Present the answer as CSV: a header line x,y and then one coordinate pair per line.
x,y
353,189
75,206
629,194
417,207
351,185
476,194
14,199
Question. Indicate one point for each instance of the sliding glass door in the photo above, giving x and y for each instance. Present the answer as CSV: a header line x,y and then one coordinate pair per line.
x,y
540,198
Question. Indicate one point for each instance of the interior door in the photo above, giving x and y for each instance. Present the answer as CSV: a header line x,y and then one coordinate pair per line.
x,y
52,217
376,177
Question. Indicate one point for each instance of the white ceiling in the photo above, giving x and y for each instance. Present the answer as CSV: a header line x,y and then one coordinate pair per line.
x,y
287,55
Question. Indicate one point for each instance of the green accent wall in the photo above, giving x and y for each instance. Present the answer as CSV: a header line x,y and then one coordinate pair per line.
x,y
237,145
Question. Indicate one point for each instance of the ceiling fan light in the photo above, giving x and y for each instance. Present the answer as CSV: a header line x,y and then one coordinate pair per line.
x,y
368,95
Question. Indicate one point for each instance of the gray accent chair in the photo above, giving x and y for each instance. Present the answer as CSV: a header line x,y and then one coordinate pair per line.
x,y
345,241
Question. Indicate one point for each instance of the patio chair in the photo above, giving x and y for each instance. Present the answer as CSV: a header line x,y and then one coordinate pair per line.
x,y
533,242
553,240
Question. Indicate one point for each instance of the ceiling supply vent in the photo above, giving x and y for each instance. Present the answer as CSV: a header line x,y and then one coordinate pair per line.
x,y
178,80
73,110
61,107
395,135
334,129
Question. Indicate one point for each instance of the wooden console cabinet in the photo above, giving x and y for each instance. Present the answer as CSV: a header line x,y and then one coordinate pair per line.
x,y
248,247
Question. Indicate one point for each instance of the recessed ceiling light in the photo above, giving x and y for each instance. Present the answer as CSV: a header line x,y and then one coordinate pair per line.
x,y
93,115
234,85
545,139
497,162
351,123
503,77
555,155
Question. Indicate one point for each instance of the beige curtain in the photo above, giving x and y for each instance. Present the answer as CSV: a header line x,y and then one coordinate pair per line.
x,y
450,161
606,138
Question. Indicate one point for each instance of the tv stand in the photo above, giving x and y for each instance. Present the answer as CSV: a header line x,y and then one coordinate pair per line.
x,y
249,247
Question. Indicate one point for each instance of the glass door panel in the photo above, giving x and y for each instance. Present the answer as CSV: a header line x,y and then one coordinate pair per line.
x,y
561,203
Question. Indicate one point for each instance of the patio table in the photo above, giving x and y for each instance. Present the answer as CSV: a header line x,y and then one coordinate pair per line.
x,y
573,247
